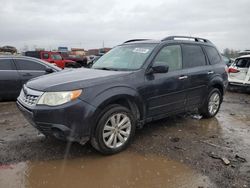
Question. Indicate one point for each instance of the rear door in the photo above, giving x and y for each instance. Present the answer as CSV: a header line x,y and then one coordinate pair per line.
x,y
195,62
29,69
10,84
165,93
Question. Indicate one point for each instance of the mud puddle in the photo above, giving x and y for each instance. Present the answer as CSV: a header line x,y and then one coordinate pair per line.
x,y
127,169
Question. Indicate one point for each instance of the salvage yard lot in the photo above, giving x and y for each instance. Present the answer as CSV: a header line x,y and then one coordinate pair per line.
x,y
190,145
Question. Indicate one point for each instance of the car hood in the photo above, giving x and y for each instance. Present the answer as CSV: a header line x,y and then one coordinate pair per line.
x,y
72,79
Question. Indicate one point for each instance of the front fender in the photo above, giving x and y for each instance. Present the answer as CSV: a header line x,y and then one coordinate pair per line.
x,y
119,92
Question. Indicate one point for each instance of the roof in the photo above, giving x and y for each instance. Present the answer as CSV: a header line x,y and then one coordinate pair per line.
x,y
180,39
244,56
16,56
142,41
19,56
30,58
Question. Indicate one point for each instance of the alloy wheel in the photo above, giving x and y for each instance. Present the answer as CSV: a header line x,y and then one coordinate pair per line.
x,y
214,103
116,130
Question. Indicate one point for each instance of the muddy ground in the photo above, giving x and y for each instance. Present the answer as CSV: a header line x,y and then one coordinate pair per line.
x,y
181,151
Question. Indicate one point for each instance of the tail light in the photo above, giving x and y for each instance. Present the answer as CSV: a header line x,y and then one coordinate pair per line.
x,y
233,70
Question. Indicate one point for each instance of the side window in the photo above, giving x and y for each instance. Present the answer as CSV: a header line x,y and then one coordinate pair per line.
x,y
171,56
45,56
193,56
29,65
6,64
213,55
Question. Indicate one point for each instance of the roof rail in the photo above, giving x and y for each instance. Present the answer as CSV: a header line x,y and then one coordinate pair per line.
x,y
196,39
134,40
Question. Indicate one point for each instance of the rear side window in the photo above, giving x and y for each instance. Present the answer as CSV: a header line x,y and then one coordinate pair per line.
x,y
213,55
170,56
23,64
193,56
243,63
6,64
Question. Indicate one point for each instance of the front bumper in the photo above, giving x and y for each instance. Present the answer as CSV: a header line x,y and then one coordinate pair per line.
x,y
71,121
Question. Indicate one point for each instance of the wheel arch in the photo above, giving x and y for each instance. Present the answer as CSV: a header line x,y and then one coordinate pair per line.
x,y
217,82
126,97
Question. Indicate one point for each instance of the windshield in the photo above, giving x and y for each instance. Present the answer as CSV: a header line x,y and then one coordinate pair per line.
x,y
127,57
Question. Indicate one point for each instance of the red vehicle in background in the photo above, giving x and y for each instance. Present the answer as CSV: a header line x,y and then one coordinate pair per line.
x,y
51,57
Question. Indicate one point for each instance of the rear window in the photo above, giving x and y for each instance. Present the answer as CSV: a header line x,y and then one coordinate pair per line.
x,y
6,64
29,65
193,56
243,63
213,55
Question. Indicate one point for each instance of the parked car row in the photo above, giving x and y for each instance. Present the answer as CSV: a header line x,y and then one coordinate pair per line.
x,y
135,83
17,70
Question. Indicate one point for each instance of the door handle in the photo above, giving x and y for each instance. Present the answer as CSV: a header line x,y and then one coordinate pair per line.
x,y
183,77
210,72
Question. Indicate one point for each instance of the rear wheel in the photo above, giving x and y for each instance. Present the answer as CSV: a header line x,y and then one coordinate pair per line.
x,y
114,131
212,104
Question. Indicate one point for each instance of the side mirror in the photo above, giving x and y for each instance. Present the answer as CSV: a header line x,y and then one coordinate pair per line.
x,y
160,69
49,70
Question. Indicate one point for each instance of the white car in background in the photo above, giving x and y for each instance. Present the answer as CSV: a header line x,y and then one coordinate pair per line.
x,y
239,72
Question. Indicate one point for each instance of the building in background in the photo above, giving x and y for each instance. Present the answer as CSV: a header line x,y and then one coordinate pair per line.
x,y
78,52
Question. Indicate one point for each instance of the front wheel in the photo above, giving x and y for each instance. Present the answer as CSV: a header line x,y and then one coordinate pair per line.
x,y
212,104
115,130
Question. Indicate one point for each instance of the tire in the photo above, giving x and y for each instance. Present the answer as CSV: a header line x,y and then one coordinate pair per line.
x,y
206,110
109,138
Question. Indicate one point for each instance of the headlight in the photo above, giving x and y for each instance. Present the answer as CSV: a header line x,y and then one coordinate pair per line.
x,y
58,98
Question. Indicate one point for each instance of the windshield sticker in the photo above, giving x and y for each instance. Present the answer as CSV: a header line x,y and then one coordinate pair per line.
x,y
141,50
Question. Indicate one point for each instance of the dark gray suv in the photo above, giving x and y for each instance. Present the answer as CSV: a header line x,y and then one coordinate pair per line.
x,y
135,83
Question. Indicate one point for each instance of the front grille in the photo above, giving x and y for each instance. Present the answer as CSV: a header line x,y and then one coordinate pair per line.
x,y
29,97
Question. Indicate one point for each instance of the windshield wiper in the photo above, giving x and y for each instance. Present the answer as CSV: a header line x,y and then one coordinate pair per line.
x,y
106,68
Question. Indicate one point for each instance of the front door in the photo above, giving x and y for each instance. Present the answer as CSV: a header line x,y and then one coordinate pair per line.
x,y
29,69
10,84
165,93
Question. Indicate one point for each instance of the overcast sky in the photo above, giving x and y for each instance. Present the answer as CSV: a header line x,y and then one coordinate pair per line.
x,y
87,23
